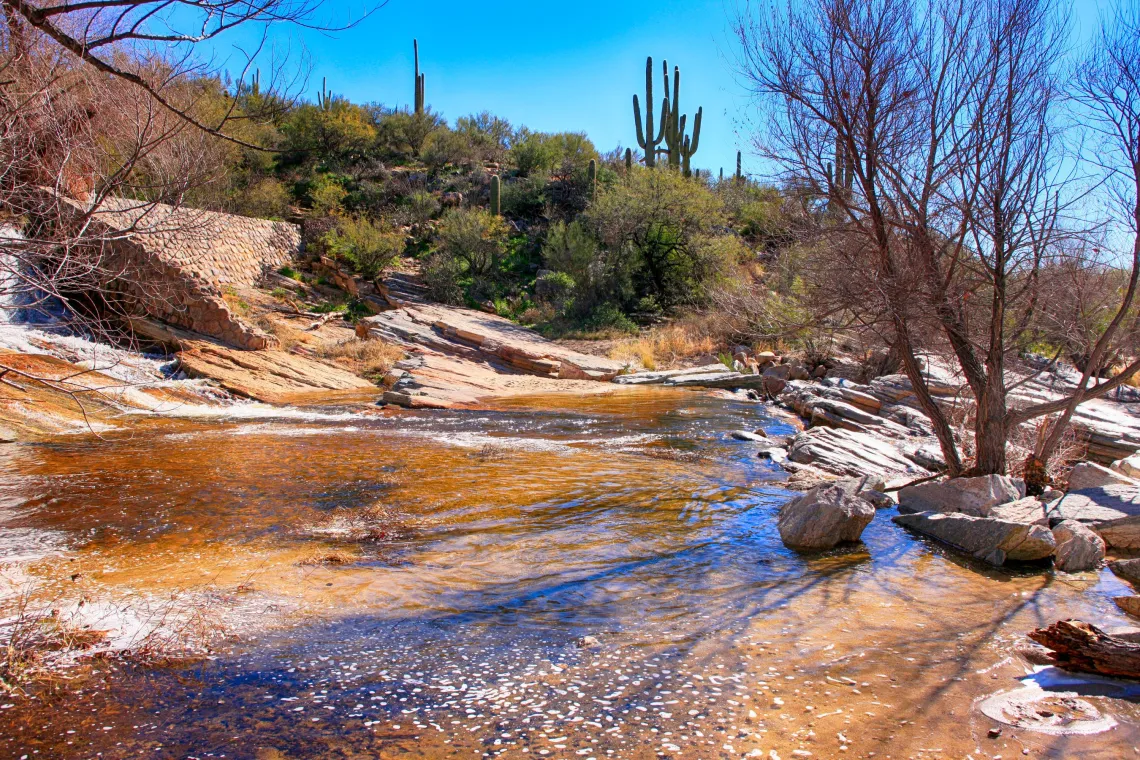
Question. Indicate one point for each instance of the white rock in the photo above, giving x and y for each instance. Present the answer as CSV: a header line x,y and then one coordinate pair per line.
x,y
988,539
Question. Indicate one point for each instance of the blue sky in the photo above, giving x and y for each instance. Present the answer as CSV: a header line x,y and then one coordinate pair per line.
x,y
550,66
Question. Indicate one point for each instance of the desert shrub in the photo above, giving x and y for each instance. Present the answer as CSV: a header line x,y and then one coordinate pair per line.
x,y
267,198
608,319
554,288
525,198
488,135
658,229
444,147
422,207
326,195
573,151
441,274
533,152
337,136
362,244
370,358
474,237
570,248
401,133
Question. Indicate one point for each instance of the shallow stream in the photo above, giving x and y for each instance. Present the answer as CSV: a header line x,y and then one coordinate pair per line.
x,y
593,577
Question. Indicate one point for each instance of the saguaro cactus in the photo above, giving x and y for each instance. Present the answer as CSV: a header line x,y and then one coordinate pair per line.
x,y
689,147
645,137
496,194
628,160
324,97
419,96
679,147
739,173
592,178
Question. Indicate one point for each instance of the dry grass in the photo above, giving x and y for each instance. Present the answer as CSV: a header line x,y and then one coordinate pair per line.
x,y
286,335
368,358
666,347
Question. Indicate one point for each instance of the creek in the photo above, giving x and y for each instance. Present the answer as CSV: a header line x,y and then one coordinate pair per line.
x,y
594,577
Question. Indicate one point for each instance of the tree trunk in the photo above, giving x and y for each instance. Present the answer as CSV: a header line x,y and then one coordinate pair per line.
x,y
990,428
1085,648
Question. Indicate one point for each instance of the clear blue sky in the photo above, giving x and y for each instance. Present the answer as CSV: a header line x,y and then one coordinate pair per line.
x,y
570,66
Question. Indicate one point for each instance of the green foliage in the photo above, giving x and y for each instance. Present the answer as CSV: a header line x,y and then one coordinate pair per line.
x,y
422,207
525,198
555,289
489,136
291,273
473,236
326,195
363,245
609,317
441,275
533,152
570,249
266,198
399,133
336,134
658,229
443,148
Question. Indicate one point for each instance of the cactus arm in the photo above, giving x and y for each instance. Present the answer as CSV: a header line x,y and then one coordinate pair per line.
x,y
697,130
637,123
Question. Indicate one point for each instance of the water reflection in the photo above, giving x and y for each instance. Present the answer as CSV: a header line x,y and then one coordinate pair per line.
x,y
559,576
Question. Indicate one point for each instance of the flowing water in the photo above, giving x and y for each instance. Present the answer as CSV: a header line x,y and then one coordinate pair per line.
x,y
558,577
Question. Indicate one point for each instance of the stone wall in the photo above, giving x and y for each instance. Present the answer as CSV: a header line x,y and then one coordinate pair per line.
x,y
175,264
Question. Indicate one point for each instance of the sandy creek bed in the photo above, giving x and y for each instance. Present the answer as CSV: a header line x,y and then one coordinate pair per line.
x,y
560,577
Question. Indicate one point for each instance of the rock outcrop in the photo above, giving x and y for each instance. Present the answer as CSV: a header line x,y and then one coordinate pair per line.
x,y
1078,548
969,496
826,515
1090,475
1112,512
459,356
847,452
988,539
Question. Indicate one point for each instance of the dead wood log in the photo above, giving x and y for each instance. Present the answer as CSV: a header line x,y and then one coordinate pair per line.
x,y
1083,647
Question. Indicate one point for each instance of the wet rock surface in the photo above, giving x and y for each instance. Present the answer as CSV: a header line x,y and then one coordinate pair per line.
x,y
826,516
988,539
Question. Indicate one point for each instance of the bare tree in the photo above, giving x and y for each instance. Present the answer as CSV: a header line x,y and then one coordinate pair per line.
x,y
928,131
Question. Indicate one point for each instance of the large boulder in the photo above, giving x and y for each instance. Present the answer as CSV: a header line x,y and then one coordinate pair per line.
x,y
1089,475
1129,467
1128,569
1078,548
826,515
988,539
970,496
1113,513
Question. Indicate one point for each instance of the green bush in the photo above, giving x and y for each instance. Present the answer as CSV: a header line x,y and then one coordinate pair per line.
x,y
525,198
533,152
422,207
444,148
326,195
401,133
363,245
267,199
555,289
441,274
474,237
609,317
488,135
570,248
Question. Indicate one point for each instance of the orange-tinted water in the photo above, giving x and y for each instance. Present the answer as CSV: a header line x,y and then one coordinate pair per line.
x,y
477,549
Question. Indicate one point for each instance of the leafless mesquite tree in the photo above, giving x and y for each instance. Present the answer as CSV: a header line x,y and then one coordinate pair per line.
x,y
929,129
